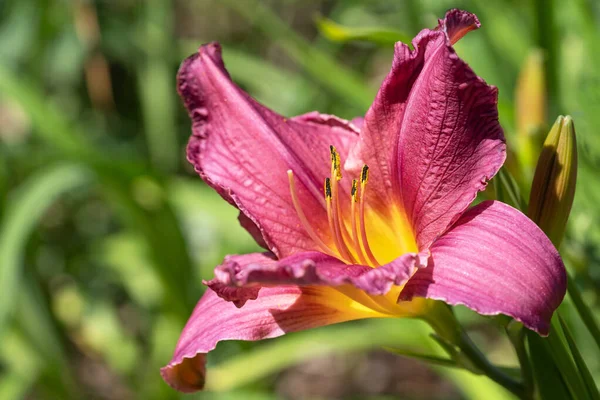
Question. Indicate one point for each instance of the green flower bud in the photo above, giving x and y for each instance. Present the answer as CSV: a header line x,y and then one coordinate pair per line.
x,y
530,110
553,185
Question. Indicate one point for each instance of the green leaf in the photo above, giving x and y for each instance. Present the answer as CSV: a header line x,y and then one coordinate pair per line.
x,y
15,386
441,361
339,33
269,358
579,361
550,384
21,216
44,116
555,345
507,189
320,65
37,326
156,85
583,310
134,192
289,350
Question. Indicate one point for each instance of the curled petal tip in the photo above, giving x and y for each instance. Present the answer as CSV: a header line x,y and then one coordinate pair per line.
x,y
188,375
457,23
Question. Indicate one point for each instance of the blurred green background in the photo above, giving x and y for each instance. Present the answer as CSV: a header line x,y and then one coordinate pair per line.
x,y
106,233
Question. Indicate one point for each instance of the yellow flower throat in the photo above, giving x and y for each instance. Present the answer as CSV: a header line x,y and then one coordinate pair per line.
x,y
348,240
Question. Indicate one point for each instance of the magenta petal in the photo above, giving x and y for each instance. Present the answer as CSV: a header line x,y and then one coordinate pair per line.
x,y
240,278
244,150
457,23
495,260
276,311
451,142
432,137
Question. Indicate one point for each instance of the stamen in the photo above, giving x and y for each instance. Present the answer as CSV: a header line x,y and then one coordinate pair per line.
x,y
336,175
336,168
364,177
305,224
364,174
334,223
353,201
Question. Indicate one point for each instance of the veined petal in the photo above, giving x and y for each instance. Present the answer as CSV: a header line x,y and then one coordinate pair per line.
x,y
243,150
494,260
241,277
276,311
432,137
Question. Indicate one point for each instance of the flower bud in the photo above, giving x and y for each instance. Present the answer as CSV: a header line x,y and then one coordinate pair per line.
x,y
553,185
530,110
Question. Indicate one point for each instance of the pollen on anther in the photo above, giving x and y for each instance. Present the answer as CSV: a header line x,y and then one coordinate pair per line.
x,y
336,169
354,190
328,188
364,176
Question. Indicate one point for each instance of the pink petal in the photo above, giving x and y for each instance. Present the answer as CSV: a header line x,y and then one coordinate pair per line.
x,y
457,23
432,137
276,311
494,260
243,150
240,278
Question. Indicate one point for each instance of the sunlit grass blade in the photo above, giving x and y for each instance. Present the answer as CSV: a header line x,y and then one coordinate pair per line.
x,y
290,350
427,358
345,83
15,386
47,118
287,351
548,39
580,362
23,213
156,85
339,33
36,323
155,220
136,195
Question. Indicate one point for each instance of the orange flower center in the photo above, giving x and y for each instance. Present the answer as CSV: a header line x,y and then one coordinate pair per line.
x,y
348,235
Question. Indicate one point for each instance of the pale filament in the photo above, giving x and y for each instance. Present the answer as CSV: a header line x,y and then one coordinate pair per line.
x,y
305,224
336,175
350,247
355,240
363,229
334,223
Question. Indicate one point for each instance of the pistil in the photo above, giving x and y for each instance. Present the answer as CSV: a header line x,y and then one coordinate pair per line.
x,y
353,201
364,177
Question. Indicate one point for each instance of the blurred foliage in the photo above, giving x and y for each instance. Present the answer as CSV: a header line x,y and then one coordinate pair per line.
x,y
106,233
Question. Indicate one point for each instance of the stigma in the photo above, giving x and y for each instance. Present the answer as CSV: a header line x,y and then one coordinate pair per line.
x,y
346,238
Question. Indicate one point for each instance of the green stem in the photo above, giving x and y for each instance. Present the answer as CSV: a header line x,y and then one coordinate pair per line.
x,y
443,321
516,334
479,360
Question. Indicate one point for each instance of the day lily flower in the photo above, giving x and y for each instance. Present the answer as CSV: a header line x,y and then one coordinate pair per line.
x,y
361,219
